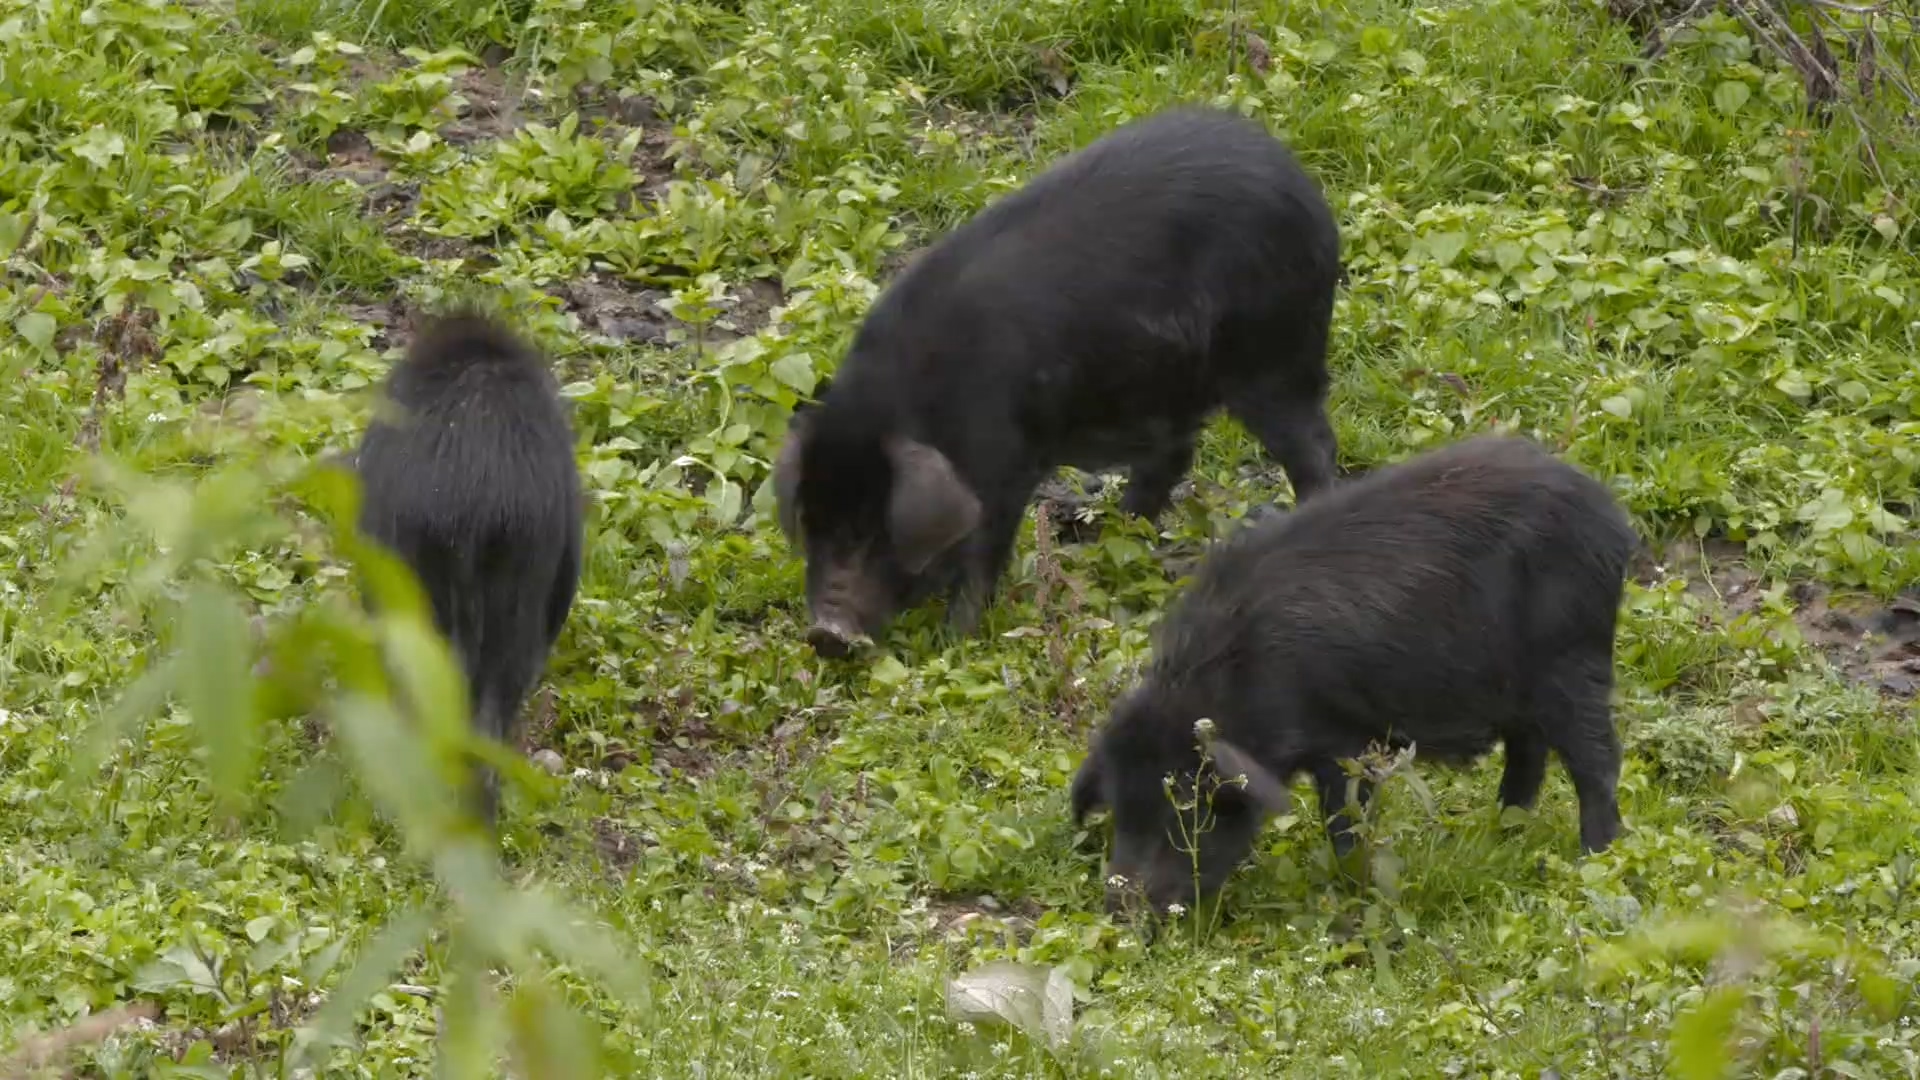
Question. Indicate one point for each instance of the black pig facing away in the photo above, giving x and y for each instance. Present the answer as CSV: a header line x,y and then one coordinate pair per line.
x,y
473,484
1095,318
1463,597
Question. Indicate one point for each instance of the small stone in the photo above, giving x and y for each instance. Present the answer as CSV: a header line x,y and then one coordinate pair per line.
x,y
550,761
986,903
1785,816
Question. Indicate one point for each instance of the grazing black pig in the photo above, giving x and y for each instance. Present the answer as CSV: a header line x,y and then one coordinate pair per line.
x,y
1095,318
473,484
1464,597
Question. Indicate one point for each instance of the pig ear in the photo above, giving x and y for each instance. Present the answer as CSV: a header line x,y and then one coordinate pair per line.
x,y
1263,788
1086,786
931,508
786,476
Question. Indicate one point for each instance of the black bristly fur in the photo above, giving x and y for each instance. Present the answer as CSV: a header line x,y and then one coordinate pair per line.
x,y
1094,318
1464,597
472,482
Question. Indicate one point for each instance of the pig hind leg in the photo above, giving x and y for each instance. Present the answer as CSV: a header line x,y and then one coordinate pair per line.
x,y
1570,703
1291,424
517,634
1281,396
1526,768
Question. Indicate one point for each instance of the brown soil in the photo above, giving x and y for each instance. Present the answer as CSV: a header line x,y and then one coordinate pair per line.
x,y
1868,642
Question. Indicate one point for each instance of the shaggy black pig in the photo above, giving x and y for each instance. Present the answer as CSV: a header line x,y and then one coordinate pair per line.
x,y
472,483
1095,318
1464,597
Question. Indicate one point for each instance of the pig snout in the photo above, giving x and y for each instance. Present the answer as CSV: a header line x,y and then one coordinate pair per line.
x,y
830,638
1154,885
840,607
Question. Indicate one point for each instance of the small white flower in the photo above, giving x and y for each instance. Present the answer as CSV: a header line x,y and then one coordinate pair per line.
x,y
1176,910
1203,727
1117,881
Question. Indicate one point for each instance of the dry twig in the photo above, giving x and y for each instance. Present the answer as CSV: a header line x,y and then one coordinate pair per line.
x,y
42,1050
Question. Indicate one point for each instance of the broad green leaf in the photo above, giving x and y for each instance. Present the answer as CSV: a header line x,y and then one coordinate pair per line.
x,y
1829,513
36,329
472,1027
586,945
372,970
1699,1047
1883,995
1730,96
1794,385
889,671
1418,785
305,801
427,675
395,766
549,1039
1376,40
387,580
1443,247
1618,405
98,146
177,967
795,370
141,699
13,229
726,497
216,683
1882,520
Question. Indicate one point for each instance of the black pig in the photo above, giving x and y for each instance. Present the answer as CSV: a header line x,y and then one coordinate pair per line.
x,y
1464,597
473,484
1096,318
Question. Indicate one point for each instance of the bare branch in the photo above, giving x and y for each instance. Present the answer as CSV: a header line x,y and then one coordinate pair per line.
x,y
42,1050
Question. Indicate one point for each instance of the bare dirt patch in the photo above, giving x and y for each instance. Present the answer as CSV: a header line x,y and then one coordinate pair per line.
x,y
487,106
954,918
752,304
390,321
1868,642
617,309
626,311
1876,645
617,845
612,114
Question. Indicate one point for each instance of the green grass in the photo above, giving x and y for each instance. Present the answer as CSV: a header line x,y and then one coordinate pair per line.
x,y
793,852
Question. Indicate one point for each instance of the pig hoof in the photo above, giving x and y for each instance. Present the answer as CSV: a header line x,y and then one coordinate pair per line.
x,y
828,642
